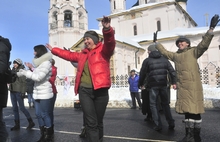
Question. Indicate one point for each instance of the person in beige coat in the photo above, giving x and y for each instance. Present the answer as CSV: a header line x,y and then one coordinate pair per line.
x,y
189,87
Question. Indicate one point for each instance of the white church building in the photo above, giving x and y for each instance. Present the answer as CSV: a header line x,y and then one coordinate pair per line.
x,y
134,28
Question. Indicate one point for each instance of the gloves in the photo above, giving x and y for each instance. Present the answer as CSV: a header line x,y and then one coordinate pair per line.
x,y
214,21
155,36
21,73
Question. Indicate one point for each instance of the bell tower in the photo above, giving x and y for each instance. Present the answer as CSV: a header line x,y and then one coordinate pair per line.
x,y
117,5
68,21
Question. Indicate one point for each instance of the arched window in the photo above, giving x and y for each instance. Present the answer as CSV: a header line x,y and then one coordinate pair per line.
x,y
114,5
135,29
67,18
158,25
53,25
81,21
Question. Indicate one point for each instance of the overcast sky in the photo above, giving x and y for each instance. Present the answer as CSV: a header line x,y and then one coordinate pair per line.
x,y
25,22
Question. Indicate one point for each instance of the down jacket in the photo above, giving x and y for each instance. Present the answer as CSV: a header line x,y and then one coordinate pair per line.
x,y
189,86
98,61
40,75
133,83
156,69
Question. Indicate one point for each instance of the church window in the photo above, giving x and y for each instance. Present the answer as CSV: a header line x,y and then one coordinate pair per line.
x,y
53,25
114,5
158,25
81,21
67,18
145,1
135,29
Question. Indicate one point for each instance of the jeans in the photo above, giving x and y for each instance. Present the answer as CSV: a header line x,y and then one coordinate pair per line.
x,y
43,112
133,96
30,98
3,130
16,100
93,104
52,108
162,91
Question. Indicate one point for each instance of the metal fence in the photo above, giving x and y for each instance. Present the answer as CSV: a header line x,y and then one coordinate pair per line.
x,y
209,75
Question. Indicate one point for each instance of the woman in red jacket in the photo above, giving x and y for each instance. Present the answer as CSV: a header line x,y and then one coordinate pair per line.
x,y
93,76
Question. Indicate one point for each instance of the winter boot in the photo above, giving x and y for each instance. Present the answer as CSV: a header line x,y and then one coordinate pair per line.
x,y
197,129
49,135
31,124
42,132
17,126
83,133
189,127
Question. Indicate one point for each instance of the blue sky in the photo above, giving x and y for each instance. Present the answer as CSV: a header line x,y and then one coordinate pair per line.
x,y
25,22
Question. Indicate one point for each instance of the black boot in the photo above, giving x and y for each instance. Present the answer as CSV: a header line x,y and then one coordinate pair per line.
x,y
29,105
49,135
197,129
31,124
17,126
42,132
189,127
83,133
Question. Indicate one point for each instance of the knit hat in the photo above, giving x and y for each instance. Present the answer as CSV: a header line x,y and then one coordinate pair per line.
x,y
18,61
152,48
181,39
93,35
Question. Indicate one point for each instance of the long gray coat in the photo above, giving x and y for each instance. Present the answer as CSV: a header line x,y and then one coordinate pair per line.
x,y
189,86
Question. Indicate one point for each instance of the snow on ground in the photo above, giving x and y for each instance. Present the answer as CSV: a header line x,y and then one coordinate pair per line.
x,y
120,97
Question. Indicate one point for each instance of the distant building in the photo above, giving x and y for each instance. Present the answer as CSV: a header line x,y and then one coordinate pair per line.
x,y
134,29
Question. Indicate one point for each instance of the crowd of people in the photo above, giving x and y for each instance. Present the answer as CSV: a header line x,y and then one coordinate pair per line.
x,y
93,82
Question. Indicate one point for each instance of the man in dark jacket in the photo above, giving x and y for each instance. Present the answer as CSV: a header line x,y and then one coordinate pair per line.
x,y
156,68
5,48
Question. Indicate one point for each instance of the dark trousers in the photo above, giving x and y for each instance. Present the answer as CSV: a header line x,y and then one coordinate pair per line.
x,y
133,96
154,93
3,130
145,102
93,103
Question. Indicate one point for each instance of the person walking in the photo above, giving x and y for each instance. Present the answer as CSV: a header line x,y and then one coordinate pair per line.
x,y
156,68
43,94
189,87
134,90
30,88
93,77
17,92
5,49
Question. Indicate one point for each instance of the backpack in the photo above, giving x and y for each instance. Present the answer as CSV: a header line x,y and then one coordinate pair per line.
x,y
5,48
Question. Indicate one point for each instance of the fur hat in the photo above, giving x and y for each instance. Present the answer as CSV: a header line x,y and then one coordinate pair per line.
x,y
181,39
152,48
93,35
18,61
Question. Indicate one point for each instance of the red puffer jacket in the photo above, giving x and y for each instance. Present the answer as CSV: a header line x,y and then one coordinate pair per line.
x,y
53,78
98,61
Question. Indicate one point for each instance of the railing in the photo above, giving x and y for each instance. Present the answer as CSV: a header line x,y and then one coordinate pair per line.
x,y
210,76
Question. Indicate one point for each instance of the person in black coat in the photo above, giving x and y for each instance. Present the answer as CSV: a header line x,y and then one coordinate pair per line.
x,y
156,68
5,48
